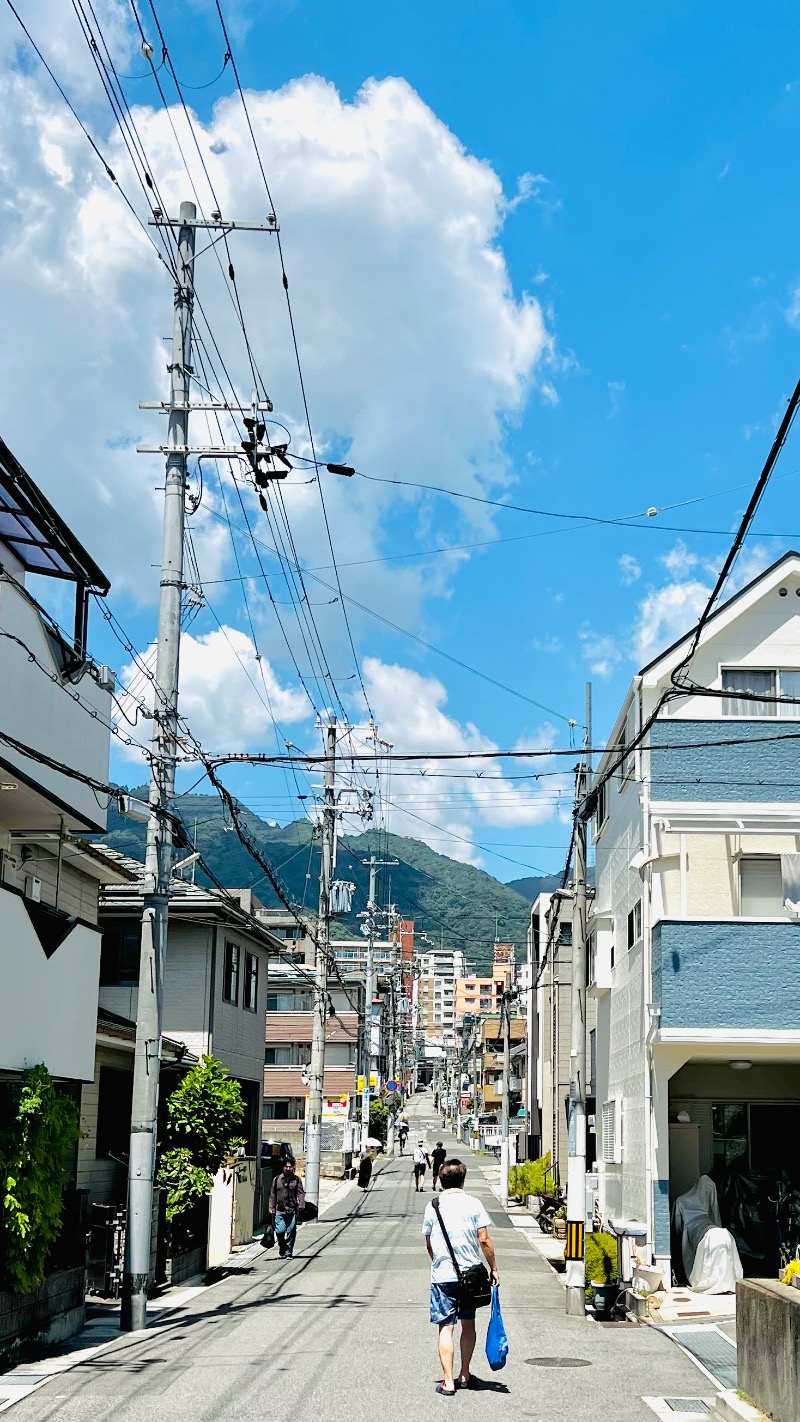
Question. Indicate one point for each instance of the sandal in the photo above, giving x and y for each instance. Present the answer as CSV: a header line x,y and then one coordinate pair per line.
x,y
445,1391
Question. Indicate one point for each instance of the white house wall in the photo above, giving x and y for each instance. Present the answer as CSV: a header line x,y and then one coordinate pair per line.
x,y
621,1017
39,713
48,1006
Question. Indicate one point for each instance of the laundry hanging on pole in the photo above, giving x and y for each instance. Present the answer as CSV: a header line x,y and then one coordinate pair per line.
x,y
342,892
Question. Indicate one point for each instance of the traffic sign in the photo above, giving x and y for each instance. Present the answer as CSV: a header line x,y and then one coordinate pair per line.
x,y
391,1086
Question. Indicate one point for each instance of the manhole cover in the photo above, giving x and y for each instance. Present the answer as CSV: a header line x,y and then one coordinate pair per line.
x,y
558,1362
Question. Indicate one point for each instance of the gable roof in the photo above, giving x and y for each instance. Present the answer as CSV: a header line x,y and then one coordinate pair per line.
x,y
769,575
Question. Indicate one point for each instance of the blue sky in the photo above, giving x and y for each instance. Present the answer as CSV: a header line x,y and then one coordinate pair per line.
x,y
618,332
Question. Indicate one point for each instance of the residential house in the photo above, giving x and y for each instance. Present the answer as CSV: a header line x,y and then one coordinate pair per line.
x,y
548,1005
55,718
215,983
693,960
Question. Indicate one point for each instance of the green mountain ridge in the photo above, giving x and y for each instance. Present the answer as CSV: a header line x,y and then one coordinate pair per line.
x,y
455,904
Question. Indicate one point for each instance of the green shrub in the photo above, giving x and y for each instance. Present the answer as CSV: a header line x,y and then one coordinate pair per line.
x,y
529,1178
601,1258
36,1142
203,1114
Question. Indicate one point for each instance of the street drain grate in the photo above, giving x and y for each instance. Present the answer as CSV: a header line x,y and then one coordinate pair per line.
x,y
688,1404
558,1362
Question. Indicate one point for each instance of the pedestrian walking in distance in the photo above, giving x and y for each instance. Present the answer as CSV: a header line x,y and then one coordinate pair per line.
x,y
287,1199
438,1157
467,1224
421,1162
402,1133
365,1170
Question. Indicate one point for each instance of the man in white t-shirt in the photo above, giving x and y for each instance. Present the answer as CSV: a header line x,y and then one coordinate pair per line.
x,y
467,1224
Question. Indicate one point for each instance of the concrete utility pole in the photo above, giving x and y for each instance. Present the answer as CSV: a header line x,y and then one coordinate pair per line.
x,y
576,1169
158,857
322,955
504,1110
369,993
369,988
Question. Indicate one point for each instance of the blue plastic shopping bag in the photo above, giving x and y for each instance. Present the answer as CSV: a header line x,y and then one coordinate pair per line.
x,y
496,1339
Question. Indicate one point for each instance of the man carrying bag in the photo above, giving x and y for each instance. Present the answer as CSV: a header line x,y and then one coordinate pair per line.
x,y
456,1230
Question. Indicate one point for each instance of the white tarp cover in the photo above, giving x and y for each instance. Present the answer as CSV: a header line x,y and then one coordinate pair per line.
x,y
710,1256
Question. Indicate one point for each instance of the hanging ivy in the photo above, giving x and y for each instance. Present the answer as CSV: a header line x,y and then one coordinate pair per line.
x,y
37,1135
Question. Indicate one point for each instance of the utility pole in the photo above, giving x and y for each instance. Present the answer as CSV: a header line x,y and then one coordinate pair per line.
x,y
158,857
369,993
322,955
576,1169
504,1114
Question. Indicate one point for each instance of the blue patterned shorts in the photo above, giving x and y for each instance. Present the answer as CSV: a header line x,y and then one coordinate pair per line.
x,y
444,1308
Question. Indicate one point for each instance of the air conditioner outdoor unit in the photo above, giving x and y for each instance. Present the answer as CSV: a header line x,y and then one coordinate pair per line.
x,y
33,888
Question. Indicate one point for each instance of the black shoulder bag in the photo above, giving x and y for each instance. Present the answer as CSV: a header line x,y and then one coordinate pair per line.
x,y
474,1283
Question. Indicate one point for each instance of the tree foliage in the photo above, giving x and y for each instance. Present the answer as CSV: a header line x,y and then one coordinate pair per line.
x,y
39,1131
204,1113
378,1121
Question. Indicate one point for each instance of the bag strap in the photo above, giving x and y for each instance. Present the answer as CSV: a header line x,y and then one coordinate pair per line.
x,y
437,1209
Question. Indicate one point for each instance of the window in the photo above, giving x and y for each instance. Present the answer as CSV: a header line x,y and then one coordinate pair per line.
x,y
612,1133
119,958
760,887
230,975
634,924
287,1054
250,1001
601,812
114,1097
626,735
289,1002
284,1108
745,686
730,1135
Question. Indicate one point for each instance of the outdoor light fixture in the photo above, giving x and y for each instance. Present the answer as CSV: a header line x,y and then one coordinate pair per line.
x,y
740,1064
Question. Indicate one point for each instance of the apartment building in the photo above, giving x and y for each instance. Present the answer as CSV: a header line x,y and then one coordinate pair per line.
x,y
694,927
436,972
287,1054
484,994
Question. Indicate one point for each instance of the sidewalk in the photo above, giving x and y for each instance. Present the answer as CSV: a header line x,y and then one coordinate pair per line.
x,y
102,1330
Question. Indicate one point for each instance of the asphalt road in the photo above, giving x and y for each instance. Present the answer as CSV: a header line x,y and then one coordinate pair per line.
x,y
341,1333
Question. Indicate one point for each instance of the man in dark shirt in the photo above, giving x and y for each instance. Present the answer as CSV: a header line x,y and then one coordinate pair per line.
x,y
286,1201
438,1157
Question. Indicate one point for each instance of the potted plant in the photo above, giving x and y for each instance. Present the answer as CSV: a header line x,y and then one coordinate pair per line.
x,y
601,1272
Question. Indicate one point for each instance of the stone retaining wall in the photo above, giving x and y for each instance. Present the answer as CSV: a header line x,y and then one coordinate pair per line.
x,y
768,1343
